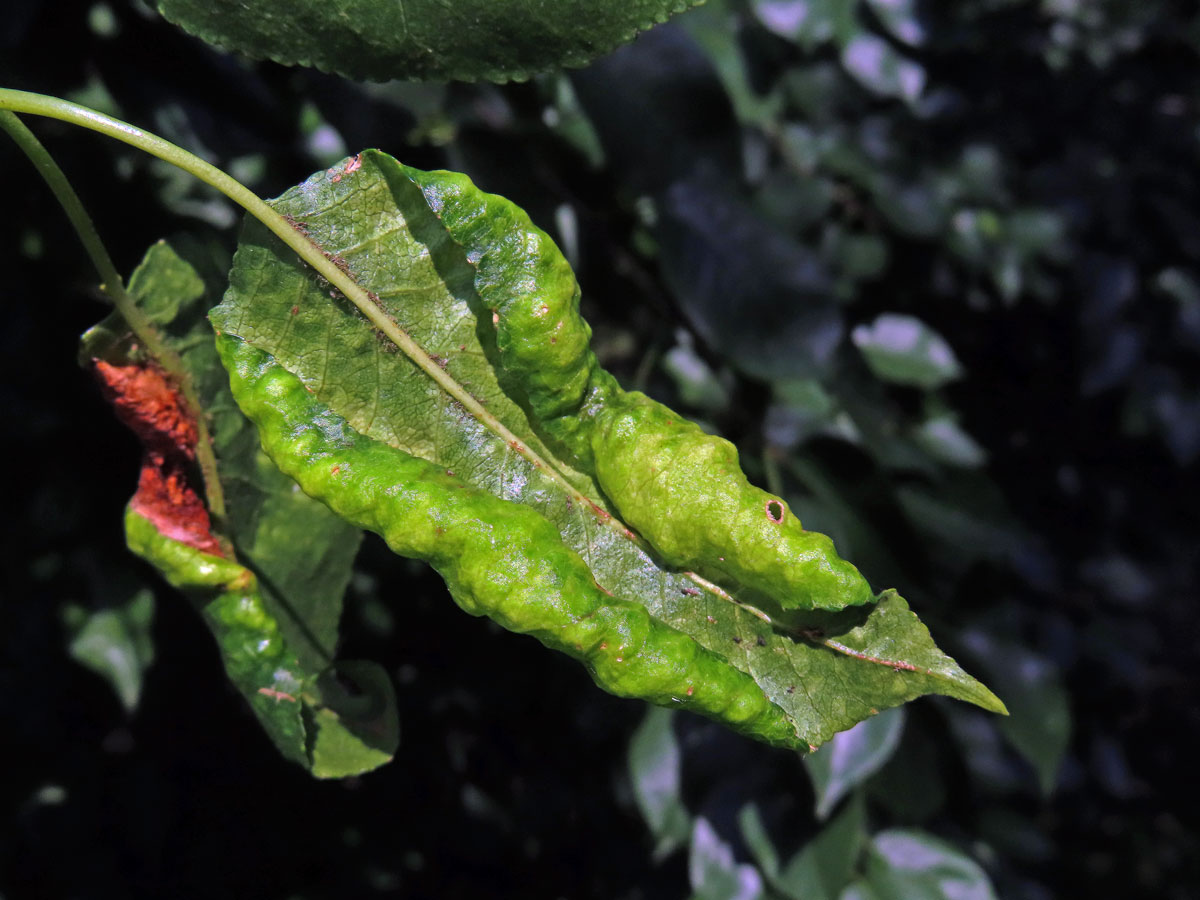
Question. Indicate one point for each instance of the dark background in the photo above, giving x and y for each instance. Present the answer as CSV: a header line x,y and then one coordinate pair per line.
x,y
741,201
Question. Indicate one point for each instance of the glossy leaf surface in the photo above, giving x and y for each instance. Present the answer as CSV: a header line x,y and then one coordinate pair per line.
x,y
421,39
299,353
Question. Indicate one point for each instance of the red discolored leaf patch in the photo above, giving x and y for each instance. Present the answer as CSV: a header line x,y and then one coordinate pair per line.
x,y
167,495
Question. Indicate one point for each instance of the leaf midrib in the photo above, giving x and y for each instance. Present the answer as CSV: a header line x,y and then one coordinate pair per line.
x,y
367,302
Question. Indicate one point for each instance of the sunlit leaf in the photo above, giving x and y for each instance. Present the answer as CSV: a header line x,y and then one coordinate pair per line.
x,y
322,359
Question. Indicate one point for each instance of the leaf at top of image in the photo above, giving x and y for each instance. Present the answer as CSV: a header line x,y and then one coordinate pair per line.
x,y
435,40
471,426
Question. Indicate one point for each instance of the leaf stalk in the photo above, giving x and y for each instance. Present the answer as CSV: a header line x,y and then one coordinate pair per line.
x,y
113,287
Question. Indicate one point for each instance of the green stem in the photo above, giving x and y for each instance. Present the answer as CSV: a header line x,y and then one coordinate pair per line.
x,y
114,288
311,253
65,111
82,223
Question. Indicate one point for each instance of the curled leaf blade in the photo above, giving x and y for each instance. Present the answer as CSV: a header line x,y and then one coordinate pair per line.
x,y
389,227
267,577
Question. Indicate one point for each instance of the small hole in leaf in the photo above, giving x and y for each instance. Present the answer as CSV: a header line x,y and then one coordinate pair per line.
x,y
775,511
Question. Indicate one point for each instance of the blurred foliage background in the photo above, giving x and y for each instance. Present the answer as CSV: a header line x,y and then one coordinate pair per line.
x,y
934,267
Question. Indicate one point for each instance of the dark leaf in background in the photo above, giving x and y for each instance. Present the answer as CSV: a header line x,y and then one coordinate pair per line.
x,y
756,297
1078,344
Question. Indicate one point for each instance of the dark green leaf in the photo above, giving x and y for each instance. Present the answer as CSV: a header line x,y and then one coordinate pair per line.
x,y
822,867
421,39
906,351
808,22
880,69
943,439
654,770
754,833
852,757
901,18
825,865
714,873
115,643
905,864
1040,724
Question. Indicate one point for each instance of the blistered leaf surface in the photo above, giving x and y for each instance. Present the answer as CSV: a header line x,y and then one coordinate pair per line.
x,y
823,672
269,577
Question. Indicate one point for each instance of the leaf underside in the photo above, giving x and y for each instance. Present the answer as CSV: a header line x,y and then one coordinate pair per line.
x,y
823,671
465,40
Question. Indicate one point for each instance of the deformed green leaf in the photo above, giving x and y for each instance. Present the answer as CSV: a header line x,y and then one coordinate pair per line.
x,y
476,454
421,39
269,576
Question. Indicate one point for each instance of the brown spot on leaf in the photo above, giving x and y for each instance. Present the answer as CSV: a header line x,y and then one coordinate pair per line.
x,y
168,492
775,510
